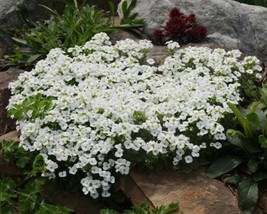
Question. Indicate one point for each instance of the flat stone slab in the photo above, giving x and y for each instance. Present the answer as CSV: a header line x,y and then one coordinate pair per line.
x,y
10,136
195,192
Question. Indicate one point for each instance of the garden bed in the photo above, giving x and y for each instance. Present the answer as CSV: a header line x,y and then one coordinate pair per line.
x,y
94,113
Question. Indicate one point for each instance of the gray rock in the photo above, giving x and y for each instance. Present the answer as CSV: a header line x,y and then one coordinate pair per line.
x,y
195,192
12,11
229,23
35,12
8,6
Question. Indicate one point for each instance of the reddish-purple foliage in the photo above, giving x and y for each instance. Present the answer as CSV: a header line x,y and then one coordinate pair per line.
x,y
181,28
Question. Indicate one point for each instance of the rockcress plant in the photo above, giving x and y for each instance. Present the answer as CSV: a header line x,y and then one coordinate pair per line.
x,y
104,103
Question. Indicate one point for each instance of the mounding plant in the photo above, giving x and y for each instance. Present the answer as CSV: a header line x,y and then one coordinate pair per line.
x,y
97,110
181,28
246,165
77,25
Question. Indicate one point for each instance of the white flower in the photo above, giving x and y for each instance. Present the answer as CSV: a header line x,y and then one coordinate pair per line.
x,y
188,159
217,145
62,174
107,106
172,45
150,61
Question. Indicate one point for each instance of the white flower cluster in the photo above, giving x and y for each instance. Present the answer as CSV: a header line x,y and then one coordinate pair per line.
x,y
110,101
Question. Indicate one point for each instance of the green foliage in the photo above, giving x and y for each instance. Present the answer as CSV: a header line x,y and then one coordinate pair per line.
x,y
247,191
32,107
7,195
129,18
12,153
75,26
249,154
52,209
249,88
139,117
31,163
262,3
144,209
223,165
22,196
25,199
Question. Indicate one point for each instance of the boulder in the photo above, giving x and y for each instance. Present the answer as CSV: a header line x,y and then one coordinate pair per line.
x,y
7,6
229,23
194,191
12,11
9,9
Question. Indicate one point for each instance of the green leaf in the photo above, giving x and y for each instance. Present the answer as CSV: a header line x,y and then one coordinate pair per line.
x,y
253,107
234,137
6,189
52,209
131,7
242,120
247,191
34,186
23,160
108,211
264,94
21,41
4,196
249,145
124,9
54,12
34,57
133,16
263,141
262,118
166,209
235,179
112,11
253,165
223,165
7,184
253,119
139,117
111,7
260,176
28,197
38,165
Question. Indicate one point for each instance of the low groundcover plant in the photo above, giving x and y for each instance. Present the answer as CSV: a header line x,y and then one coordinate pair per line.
x,y
95,108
